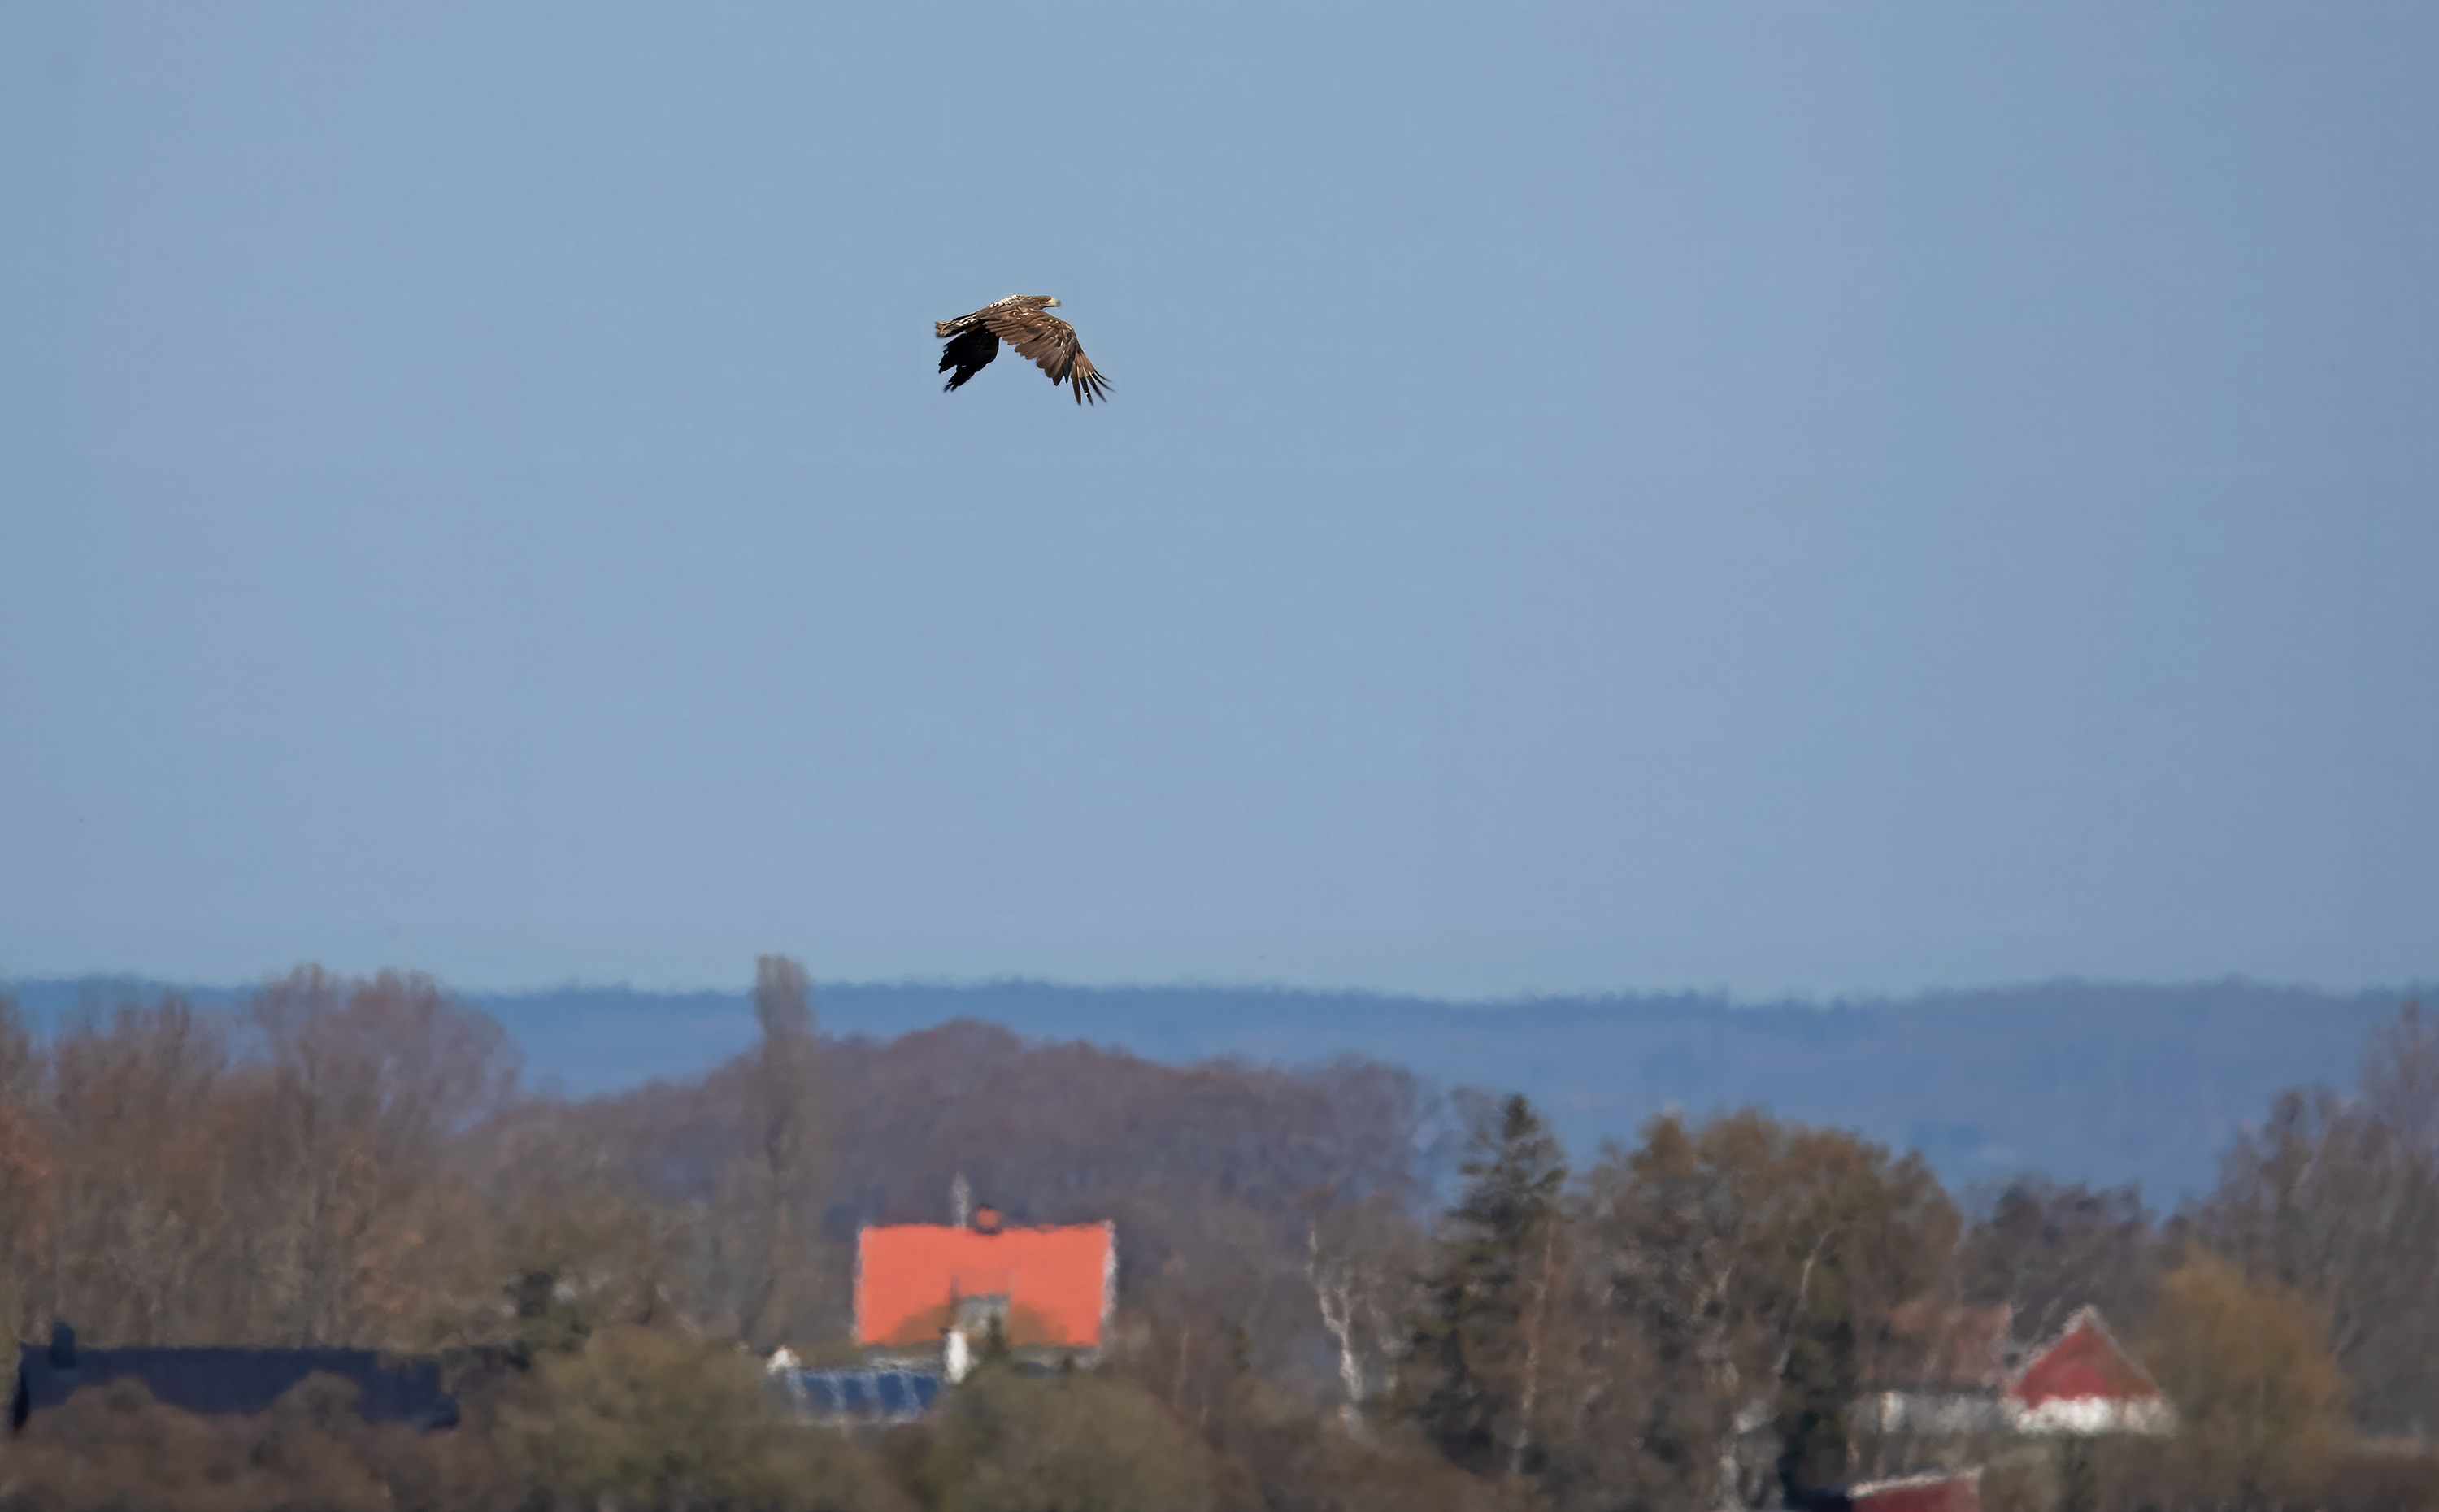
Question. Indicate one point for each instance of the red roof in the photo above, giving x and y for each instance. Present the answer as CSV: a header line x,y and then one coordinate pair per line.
x,y
1058,1281
2083,1363
1920,1493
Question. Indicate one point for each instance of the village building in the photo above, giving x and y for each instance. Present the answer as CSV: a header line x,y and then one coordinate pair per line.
x,y
942,1293
2083,1384
1974,1384
1948,1370
1957,1390
932,1300
229,1382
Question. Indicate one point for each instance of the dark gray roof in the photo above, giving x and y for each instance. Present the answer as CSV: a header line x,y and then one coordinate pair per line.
x,y
232,1381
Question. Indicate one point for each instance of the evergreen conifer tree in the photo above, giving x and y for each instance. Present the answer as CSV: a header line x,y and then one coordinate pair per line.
x,y
1468,1375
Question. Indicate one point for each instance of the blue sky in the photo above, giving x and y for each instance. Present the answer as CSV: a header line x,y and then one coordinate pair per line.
x,y
1816,498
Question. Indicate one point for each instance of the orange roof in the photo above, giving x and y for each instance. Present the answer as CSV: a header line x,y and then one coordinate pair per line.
x,y
1058,1282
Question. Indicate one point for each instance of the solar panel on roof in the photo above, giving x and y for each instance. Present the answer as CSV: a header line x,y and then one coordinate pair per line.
x,y
878,1396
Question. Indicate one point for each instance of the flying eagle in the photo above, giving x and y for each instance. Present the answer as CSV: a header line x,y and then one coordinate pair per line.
x,y
1018,320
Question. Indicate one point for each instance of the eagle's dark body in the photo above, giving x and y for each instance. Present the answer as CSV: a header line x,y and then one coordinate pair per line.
x,y
1018,320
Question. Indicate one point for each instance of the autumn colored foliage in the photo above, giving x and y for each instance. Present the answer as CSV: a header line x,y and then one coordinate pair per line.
x,y
1337,1289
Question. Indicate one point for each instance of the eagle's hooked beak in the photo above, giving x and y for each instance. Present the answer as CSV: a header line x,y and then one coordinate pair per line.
x,y
1052,304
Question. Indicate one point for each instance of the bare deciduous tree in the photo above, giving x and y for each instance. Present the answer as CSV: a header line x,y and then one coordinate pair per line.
x,y
766,1266
2338,1200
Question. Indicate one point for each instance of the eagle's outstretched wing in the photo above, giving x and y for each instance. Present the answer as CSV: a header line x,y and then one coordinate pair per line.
x,y
1046,339
968,352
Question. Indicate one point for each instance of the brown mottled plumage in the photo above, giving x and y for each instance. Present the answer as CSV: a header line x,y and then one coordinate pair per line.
x,y
1018,320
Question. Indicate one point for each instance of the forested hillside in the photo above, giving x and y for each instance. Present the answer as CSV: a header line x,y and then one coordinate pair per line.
x,y
2100,1083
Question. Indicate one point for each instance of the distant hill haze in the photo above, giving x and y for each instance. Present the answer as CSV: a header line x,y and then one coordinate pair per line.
x,y
2087,1082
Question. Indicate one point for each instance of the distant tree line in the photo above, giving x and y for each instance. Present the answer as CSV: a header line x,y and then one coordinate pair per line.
x,y
1338,1290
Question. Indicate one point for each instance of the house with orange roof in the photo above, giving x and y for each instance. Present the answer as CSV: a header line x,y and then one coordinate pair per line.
x,y
936,1294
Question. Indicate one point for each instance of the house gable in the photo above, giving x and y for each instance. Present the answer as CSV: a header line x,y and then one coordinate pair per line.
x,y
2083,1382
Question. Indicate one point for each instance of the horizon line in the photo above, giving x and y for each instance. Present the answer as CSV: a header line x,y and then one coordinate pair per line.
x,y
1718,995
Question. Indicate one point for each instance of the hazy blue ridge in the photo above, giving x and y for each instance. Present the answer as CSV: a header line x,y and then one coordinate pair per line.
x,y
2084,1081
